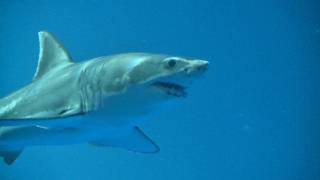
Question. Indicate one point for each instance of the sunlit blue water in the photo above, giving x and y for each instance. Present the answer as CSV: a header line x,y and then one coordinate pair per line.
x,y
254,116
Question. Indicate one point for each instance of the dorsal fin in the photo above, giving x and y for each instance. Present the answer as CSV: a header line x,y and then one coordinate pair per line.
x,y
52,54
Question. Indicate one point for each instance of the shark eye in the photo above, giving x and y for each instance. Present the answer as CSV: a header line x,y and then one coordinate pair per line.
x,y
172,63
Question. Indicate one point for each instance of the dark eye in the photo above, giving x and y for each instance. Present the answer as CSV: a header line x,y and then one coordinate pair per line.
x,y
172,63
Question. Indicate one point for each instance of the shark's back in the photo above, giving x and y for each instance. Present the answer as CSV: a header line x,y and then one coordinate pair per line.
x,y
9,102
51,92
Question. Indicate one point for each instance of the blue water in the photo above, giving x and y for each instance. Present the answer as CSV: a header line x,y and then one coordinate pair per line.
x,y
254,115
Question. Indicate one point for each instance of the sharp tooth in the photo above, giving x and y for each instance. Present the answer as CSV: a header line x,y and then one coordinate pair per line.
x,y
171,88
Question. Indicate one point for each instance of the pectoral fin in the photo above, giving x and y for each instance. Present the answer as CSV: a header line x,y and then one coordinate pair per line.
x,y
135,141
10,156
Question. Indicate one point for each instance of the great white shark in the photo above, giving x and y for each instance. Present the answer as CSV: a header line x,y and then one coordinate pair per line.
x,y
96,101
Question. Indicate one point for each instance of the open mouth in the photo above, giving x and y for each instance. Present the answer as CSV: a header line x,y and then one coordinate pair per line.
x,y
171,89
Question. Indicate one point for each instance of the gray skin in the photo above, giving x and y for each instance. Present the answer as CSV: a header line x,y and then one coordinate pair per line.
x,y
113,90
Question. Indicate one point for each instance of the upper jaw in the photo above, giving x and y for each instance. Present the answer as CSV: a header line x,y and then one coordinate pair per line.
x,y
174,85
196,66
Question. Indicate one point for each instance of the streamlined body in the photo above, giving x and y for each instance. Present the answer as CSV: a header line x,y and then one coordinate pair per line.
x,y
96,101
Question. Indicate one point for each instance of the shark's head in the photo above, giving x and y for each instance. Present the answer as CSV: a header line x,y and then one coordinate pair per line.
x,y
169,75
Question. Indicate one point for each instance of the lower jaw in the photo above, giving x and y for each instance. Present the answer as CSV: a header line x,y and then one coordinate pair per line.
x,y
171,89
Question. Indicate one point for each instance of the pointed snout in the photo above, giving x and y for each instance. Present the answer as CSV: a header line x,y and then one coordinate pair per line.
x,y
202,65
198,66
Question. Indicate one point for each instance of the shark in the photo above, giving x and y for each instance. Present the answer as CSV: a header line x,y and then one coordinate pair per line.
x,y
98,101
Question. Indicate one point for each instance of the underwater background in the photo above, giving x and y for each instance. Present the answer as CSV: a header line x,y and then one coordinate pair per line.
x,y
254,115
